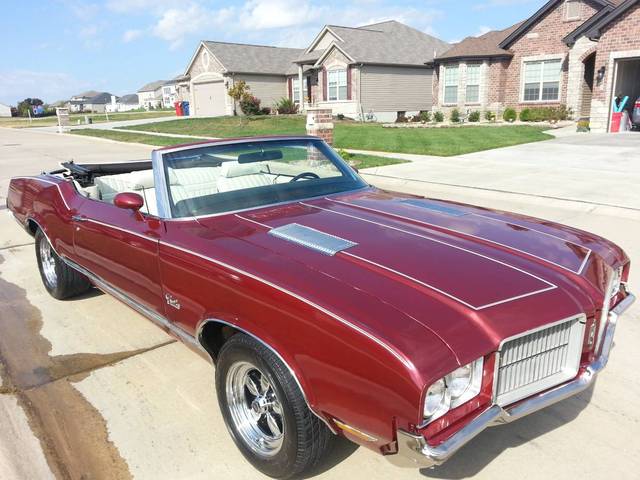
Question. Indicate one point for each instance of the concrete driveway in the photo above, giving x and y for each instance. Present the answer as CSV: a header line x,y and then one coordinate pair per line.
x,y
90,389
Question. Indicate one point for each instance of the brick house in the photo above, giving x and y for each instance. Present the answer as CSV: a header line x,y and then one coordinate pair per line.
x,y
570,52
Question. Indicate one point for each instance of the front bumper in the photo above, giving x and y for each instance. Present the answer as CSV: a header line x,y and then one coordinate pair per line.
x,y
414,451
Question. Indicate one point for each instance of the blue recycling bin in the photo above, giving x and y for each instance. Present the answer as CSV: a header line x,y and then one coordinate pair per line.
x,y
185,108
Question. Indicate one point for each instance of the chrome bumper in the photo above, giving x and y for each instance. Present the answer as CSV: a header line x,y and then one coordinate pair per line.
x,y
414,451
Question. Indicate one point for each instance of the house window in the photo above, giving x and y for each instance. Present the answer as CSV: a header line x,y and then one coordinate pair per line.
x,y
337,83
573,9
473,83
542,81
295,88
451,84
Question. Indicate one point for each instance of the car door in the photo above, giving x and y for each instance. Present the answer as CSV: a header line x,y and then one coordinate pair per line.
x,y
120,247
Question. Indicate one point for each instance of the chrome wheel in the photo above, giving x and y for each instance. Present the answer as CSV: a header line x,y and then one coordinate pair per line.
x,y
255,409
48,262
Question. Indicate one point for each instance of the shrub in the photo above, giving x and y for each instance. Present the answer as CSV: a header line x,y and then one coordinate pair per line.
x,y
340,116
455,116
526,115
401,117
416,118
425,116
474,116
438,117
265,111
489,116
250,105
286,106
510,115
345,155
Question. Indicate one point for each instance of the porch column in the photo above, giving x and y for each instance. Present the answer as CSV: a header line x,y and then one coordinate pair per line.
x,y
301,88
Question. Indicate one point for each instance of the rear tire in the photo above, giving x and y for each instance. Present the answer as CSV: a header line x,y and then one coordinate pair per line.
x,y
274,430
60,280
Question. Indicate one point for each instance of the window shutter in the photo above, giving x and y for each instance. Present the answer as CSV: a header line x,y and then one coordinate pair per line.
x,y
290,87
349,82
324,84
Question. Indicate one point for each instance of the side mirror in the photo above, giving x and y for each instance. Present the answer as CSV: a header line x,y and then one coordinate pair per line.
x,y
128,201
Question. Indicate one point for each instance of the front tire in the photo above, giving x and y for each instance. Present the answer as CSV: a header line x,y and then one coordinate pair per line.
x,y
265,411
60,280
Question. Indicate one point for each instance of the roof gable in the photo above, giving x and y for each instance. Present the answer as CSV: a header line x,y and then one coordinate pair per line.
x,y
258,59
152,86
596,30
385,43
484,46
533,19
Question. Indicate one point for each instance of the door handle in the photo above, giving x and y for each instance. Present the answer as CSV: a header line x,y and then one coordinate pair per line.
x,y
79,218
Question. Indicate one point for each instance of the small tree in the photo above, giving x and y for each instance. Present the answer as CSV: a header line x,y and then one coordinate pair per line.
x,y
27,105
238,92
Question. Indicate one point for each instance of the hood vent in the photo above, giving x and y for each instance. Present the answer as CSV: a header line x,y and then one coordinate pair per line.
x,y
434,207
312,238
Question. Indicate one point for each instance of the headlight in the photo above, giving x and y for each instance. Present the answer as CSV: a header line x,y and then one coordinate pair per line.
x,y
453,390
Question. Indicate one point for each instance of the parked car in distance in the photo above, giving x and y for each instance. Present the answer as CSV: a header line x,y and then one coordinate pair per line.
x,y
329,307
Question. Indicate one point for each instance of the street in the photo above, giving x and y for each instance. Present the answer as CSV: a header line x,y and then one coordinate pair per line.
x,y
90,389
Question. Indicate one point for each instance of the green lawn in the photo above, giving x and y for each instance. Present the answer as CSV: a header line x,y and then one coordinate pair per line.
x,y
132,137
20,122
360,161
428,141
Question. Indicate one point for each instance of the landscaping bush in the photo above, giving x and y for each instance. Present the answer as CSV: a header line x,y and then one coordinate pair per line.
x,y
340,116
425,116
583,126
474,116
438,117
455,116
489,116
286,106
510,115
416,118
250,105
265,111
401,117
545,114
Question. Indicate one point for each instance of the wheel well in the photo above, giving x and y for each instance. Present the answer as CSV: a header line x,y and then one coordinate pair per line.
x,y
214,335
32,227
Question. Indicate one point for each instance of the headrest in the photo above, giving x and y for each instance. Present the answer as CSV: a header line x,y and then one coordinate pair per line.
x,y
234,169
141,179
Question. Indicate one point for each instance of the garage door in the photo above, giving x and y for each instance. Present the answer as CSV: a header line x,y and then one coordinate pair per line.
x,y
209,99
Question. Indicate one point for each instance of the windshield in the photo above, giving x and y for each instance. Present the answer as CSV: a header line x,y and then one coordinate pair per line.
x,y
222,178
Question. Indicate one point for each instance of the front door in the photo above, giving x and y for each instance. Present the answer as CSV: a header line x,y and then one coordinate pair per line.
x,y
121,248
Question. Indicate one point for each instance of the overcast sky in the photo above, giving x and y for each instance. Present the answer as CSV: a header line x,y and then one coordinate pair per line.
x,y
52,49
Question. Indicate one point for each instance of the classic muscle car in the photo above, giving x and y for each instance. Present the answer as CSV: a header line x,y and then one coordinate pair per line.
x,y
329,307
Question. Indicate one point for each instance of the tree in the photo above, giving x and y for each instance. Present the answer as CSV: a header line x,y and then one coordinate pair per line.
x,y
239,91
27,105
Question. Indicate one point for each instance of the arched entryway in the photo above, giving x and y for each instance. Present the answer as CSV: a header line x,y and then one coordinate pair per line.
x,y
589,64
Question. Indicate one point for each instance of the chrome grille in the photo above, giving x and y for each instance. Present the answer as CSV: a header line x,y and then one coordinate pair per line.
x,y
539,360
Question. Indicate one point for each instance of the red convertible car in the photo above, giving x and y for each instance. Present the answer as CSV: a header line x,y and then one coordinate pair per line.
x,y
329,307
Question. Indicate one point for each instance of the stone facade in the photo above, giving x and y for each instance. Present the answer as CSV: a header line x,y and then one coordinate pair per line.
x,y
618,41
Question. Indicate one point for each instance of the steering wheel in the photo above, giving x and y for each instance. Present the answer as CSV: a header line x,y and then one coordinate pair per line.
x,y
305,175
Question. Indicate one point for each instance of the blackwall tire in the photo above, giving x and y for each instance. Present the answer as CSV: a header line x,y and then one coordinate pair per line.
x,y
305,439
60,280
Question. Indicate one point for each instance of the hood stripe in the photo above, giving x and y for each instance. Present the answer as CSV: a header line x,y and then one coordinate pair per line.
x,y
550,286
422,222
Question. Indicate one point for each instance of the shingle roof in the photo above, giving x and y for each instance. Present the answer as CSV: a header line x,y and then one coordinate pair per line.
x,y
101,98
484,46
131,99
88,94
243,58
152,86
388,42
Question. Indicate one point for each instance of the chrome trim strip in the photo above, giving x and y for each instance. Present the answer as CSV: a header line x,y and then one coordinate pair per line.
x,y
398,355
260,207
204,322
415,220
253,221
152,315
442,292
162,186
414,451
131,232
211,143
551,285
56,184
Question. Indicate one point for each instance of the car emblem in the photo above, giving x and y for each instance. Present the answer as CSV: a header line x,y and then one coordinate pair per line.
x,y
171,301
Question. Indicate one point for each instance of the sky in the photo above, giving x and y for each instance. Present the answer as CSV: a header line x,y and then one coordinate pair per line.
x,y
52,49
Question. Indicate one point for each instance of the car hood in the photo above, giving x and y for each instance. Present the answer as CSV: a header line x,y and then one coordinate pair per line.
x,y
470,276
